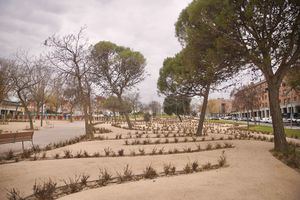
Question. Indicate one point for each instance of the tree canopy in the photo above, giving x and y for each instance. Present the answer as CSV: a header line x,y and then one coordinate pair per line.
x,y
177,105
117,69
262,35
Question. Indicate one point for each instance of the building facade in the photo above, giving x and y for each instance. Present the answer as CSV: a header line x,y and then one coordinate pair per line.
x,y
289,103
219,107
10,109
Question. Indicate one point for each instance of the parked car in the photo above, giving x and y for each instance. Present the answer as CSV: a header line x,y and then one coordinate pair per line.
x,y
255,119
245,119
269,120
213,118
266,120
286,120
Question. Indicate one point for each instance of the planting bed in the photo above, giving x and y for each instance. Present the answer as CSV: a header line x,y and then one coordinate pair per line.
x,y
78,172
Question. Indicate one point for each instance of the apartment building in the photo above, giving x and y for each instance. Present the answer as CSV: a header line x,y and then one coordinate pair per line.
x,y
289,102
219,107
10,109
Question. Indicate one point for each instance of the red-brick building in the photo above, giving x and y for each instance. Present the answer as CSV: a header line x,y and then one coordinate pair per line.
x,y
289,102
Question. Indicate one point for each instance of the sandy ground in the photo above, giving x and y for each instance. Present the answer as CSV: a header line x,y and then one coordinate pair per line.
x,y
20,126
253,173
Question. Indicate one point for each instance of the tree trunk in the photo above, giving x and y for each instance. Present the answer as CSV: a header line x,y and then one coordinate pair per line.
x,y
114,114
71,114
179,117
247,119
280,143
203,111
125,113
252,114
88,129
26,110
42,114
38,105
89,105
29,116
134,115
128,120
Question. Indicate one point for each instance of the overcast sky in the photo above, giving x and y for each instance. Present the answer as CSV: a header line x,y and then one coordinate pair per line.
x,y
143,25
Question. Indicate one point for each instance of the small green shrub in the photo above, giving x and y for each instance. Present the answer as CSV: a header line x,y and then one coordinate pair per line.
x,y
121,152
207,165
218,146
67,154
195,166
56,156
45,190
104,177
78,154
169,169
96,154
107,151
150,173
9,155
127,174
132,152
153,152
44,154
222,160
208,146
187,168
26,153
84,178
14,194
142,151
73,184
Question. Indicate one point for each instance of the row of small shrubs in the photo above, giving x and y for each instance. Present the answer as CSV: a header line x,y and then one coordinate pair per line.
x,y
48,190
176,140
108,152
101,130
34,151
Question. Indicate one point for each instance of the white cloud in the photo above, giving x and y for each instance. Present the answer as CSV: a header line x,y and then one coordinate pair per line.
x,y
143,25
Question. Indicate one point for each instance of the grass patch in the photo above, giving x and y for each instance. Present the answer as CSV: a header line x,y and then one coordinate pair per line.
x,y
269,129
221,121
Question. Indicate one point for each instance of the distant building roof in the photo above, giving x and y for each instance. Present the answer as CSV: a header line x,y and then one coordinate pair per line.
x,y
10,103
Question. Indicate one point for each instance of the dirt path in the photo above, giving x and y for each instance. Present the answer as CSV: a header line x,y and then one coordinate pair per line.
x,y
253,174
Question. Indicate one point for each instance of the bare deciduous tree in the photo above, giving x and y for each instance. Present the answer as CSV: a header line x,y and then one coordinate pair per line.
x,y
69,55
5,84
134,100
70,95
22,80
155,107
40,92
246,99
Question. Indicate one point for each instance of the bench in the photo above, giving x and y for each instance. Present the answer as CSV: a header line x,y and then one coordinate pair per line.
x,y
17,137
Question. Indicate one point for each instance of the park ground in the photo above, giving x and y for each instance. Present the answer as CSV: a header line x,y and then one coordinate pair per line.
x,y
252,171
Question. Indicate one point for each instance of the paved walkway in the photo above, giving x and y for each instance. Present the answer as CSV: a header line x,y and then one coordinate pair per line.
x,y
46,135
